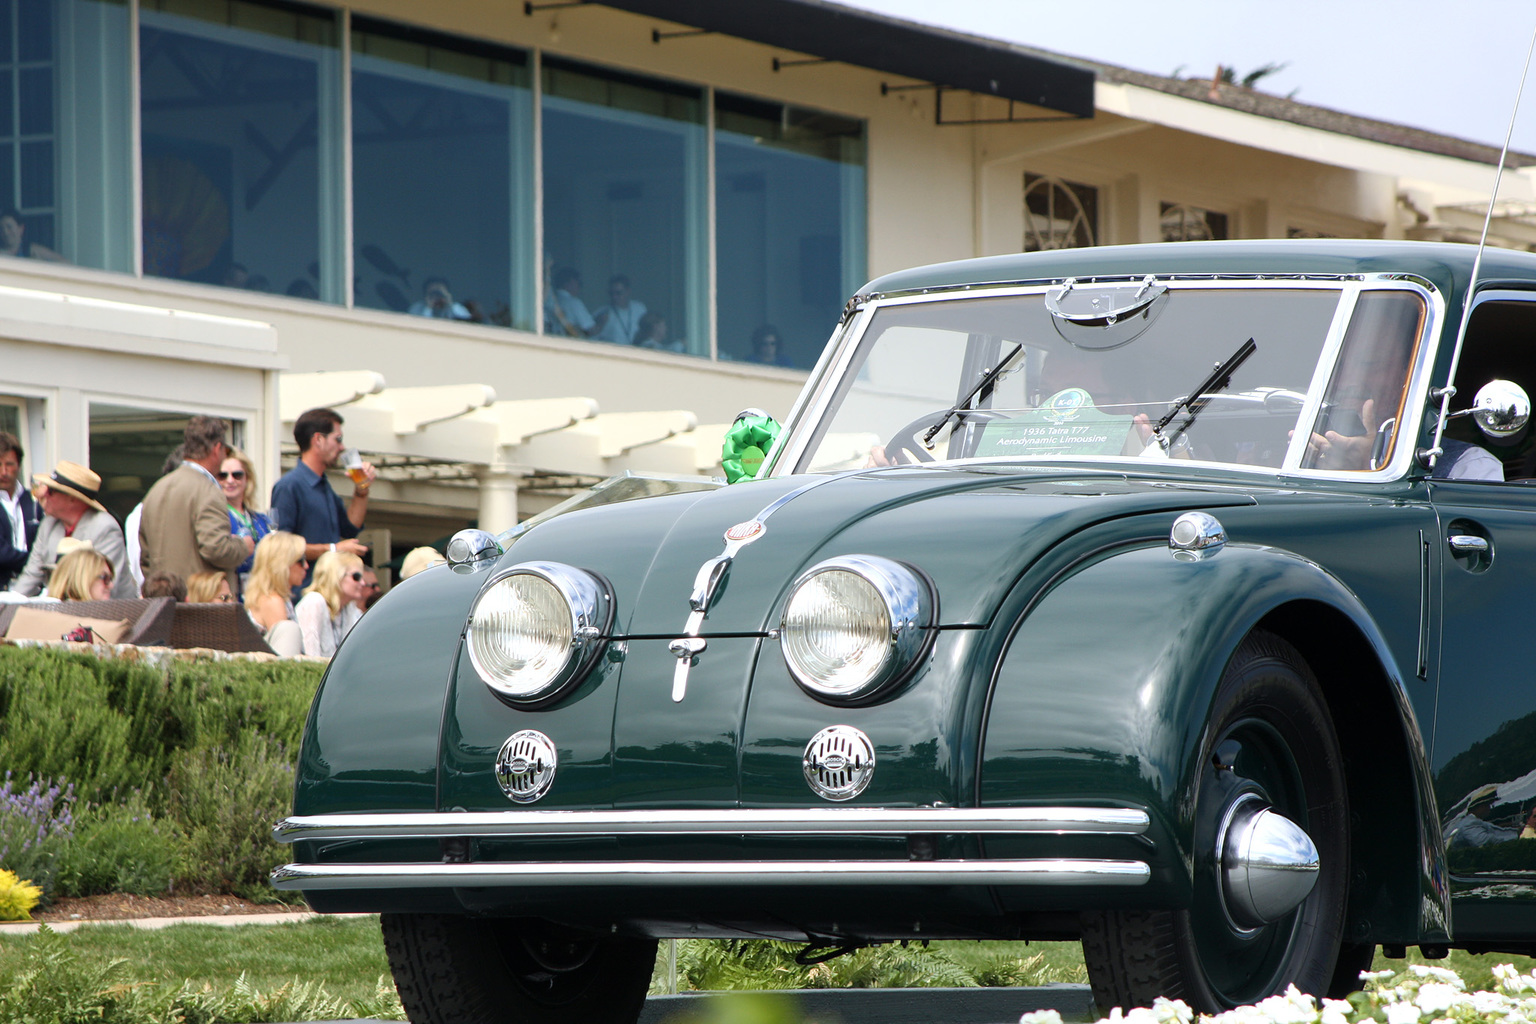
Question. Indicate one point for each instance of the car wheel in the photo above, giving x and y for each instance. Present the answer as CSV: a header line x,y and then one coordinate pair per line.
x,y
463,970
1354,957
1270,748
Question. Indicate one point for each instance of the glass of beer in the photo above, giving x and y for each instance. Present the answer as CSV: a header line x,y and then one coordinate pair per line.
x,y
352,462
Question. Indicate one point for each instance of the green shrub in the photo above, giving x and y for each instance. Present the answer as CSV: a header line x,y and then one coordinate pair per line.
x,y
227,801
113,726
204,744
118,847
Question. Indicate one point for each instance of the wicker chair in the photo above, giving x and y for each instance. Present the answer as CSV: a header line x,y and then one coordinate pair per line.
x,y
219,627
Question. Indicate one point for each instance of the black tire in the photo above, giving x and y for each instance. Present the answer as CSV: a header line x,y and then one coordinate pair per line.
x,y
464,970
1354,957
1270,726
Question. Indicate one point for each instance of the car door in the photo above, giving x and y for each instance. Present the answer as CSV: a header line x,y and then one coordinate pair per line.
x,y
1484,746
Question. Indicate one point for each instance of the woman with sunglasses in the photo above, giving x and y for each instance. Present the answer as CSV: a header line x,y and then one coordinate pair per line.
x,y
328,610
237,478
82,575
209,588
279,567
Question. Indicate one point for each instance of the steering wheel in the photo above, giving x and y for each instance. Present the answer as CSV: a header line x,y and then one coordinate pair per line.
x,y
905,440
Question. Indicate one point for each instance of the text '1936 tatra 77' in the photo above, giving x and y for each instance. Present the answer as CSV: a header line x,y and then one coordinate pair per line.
x,y
1162,597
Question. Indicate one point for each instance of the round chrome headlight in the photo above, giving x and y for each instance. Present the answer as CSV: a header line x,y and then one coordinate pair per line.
x,y
536,628
855,625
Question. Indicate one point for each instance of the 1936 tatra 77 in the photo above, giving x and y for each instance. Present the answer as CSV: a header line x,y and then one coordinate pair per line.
x,y
1173,598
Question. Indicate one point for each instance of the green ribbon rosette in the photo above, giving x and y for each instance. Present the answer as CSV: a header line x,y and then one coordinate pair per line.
x,y
746,444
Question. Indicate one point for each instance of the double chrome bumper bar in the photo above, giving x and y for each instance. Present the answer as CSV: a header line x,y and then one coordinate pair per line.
x,y
696,873
822,822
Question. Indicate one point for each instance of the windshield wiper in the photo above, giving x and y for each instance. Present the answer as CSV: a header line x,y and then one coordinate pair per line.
x,y
1195,401
987,378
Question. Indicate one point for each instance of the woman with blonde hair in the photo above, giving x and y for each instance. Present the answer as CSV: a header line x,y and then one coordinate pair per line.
x,y
279,566
208,588
237,479
327,611
84,574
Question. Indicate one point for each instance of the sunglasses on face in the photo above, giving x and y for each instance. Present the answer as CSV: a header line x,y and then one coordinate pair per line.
x,y
105,577
234,474
357,577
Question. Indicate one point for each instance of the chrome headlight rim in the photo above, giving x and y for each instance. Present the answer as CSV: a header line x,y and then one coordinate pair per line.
x,y
911,605
589,603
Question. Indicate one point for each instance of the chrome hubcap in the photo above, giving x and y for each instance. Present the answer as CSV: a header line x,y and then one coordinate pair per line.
x,y
1268,864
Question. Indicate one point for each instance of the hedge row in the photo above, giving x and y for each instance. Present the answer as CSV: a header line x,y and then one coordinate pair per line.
x,y
129,776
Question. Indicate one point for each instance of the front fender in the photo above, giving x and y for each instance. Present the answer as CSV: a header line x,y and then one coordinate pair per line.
x,y
371,741
1123,714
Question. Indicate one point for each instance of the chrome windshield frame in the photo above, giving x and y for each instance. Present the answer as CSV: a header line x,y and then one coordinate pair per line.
x,y
814,403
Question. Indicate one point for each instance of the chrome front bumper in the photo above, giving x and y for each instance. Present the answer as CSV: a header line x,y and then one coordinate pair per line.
x,y
821,822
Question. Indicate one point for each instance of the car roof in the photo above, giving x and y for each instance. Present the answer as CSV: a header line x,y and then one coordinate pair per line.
x,y
1446,265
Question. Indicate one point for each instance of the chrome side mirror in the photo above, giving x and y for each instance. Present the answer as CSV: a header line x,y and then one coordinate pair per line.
x,y
1501,409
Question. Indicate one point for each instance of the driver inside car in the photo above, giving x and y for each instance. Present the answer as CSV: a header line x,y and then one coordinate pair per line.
x,y
1065,369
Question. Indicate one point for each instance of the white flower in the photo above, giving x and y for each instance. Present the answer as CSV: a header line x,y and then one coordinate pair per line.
x,y
1041,1017
1437,997
1489,1004
1402,1013
1169,1011
1335,1011
1439,974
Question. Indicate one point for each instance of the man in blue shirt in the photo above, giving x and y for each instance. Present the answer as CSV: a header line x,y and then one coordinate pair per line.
x,y
303,501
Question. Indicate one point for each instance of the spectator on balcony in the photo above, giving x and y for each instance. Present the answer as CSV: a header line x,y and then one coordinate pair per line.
x,y
620,319
437,301
564,312
13,240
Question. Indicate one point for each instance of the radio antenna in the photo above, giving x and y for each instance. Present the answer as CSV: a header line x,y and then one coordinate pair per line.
x,y
1449,391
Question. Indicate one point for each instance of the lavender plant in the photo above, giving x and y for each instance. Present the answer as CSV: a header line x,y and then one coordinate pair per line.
x,y
36,823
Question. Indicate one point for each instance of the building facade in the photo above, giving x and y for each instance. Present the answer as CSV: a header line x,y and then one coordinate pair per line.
x,y
522,246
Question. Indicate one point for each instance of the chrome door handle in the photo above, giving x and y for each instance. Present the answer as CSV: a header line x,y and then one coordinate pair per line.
x,y
1467,544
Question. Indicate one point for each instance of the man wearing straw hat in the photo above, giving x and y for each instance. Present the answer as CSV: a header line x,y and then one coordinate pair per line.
x,y
69,496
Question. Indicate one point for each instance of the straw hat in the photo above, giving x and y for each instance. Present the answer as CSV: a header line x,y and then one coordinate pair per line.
x,y
73,479
71,544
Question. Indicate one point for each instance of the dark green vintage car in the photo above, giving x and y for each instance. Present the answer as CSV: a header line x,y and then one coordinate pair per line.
x,y
1162,597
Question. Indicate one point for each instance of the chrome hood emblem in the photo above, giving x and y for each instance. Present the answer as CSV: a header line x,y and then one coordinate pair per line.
x,y
839,762
525,767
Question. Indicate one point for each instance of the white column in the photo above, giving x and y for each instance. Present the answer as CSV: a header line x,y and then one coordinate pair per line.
x,y
498,496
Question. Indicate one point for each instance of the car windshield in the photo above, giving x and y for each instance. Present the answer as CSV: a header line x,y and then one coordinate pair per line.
x,y
1128,370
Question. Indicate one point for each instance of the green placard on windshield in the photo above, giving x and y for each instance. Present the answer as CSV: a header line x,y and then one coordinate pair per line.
x,y
1067,424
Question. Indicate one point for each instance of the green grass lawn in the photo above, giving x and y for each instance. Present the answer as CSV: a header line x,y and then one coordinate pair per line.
x,y
346,957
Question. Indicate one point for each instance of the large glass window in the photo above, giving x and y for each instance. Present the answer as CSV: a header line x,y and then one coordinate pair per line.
x,y
442,177
241,114
624,209
789,227
64,132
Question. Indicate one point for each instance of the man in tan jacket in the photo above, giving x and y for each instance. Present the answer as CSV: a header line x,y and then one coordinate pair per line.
x,y
185,525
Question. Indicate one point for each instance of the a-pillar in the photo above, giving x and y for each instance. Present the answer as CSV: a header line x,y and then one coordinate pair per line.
x,y
498,496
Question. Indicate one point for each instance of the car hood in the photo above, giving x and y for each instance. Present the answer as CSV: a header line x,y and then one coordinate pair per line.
x,y
972,530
